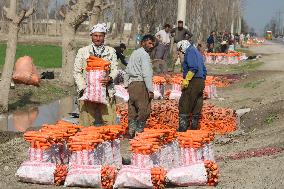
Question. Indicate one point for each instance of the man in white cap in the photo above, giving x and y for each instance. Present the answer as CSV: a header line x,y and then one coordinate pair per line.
x,y
92,113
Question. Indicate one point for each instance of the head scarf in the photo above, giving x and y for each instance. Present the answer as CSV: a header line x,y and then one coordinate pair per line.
x,y
102,28
183,45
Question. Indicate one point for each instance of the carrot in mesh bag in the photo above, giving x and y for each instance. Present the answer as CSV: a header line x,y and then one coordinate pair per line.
x,y
108,176
194,139
213,174
158,177
60,174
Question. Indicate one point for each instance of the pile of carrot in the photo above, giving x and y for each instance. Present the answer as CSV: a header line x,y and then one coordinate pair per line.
x,y
158,177
151,140
51,134
164,115
217,120
194,138
95,63
108,176
88,138
159,80
60,174
212,172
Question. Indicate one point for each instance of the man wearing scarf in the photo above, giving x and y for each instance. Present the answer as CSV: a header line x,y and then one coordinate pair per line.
x,y
191,100
92,113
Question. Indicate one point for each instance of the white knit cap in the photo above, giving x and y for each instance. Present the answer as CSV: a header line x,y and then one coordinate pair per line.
x,y
183,45
102,28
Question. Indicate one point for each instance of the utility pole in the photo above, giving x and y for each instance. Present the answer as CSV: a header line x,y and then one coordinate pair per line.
x,y
181,14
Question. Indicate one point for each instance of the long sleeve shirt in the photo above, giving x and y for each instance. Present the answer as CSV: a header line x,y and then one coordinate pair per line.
x,y
139,68
194,62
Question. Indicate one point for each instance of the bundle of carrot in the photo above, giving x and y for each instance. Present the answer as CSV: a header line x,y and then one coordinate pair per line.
x,y
151,140
194,138
84,142
158,177
108,176
88,138
212,172
95,63
159,80
109,132
60,174
51,134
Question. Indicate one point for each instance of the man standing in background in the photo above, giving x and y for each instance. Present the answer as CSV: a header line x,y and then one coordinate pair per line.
x,y
164,40
211,42
179,33
138,81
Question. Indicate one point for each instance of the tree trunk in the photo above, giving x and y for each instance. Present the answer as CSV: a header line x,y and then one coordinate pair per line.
x,y
73,19
8,66
181,10
68,53
14,27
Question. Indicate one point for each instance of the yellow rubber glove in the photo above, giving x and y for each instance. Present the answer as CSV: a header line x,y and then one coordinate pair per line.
x,y
188,77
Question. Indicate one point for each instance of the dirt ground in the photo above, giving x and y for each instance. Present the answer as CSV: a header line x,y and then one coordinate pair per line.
x,y
261,91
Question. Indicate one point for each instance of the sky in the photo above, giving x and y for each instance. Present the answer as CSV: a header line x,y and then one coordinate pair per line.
x,y
259,12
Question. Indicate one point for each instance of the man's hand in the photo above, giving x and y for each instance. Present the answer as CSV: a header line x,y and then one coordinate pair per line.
x,y
185,81
151,95
105,81
185,84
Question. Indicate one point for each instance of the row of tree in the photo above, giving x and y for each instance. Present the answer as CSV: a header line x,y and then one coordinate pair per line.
x,y
202,17
276,24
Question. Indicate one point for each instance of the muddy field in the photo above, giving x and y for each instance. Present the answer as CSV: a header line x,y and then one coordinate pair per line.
x,y
260,135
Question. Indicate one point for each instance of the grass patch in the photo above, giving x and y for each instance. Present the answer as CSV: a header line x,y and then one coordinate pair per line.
x,y
128,52
270,119
44,56
242,67
246,51
253,84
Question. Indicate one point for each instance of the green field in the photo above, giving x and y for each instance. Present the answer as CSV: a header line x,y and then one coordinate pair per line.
x,y
44,56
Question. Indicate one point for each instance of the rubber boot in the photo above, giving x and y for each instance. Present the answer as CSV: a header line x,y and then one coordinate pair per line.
x,y
183,122
195,120
140,126
132,124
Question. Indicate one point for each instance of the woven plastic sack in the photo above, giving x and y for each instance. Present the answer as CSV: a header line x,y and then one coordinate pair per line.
x,y
175,92
190,175
157,91
133,177
25,72
58,154
95,91
144,161
36,172
121,92
84,176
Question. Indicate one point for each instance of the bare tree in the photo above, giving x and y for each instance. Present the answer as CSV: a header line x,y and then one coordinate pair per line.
x,y
97,12
14,26
78,12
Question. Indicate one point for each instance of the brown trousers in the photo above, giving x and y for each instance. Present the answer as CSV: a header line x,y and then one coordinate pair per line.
x,y
139,104
92,113
191,100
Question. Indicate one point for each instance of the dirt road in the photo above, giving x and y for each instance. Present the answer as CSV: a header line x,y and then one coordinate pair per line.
x,y
261,131
262,127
